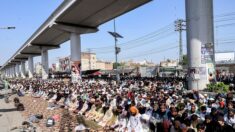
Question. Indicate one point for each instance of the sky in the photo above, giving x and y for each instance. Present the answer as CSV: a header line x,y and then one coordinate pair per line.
x,y
148,31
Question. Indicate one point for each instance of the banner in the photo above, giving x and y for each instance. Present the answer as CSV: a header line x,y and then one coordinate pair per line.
x,y
207,58
207,53
76,71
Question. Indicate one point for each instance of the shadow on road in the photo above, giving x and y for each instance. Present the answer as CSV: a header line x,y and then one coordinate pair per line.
x,y
8,110
1,96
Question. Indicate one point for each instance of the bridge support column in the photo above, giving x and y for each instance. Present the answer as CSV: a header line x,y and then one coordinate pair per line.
x,y
10,72
6,73
75,46
200,39
13,71
3,71
30,67
22,69
45,65
17,70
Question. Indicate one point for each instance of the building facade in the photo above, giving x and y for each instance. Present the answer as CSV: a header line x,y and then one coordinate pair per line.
x,y
102,65
89,62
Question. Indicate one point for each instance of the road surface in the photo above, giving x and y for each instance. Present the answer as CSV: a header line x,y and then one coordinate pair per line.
x,y
9,116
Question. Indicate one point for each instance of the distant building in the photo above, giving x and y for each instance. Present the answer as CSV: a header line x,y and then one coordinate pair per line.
x,y
225,57
148,71
141,68
169,63
225,61
170,68
131,64
64,64
38,68
55,67
102,65
89,62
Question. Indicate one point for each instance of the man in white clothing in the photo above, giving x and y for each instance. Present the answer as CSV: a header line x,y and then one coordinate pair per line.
x,y
134,124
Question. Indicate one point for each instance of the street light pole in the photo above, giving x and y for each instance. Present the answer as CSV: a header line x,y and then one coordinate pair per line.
x,y
116,60
117,49
7,27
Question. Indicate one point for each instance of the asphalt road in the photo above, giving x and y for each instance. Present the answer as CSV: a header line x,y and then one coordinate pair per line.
x,y
9,116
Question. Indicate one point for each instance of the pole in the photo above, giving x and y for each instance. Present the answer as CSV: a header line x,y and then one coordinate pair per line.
x,y
7,27
179,27
200,31
116,60
89,51
180,46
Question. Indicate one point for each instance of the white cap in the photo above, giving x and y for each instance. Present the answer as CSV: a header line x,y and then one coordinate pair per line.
x,y
147,105
211,99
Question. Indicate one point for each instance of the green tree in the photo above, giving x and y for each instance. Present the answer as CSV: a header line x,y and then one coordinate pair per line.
x,y
115,65
185,60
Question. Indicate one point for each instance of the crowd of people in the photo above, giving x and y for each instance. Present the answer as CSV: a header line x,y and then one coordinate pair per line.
x,y
226,77
136,105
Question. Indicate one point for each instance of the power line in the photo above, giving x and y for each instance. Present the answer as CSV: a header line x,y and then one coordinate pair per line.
x,y
224,20
149,35
149,41
153,52
137,45
140,43
228,42
225,14
153,36
225,25
164,29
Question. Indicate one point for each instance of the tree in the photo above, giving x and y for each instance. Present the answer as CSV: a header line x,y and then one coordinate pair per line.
x,y
115,65
185,60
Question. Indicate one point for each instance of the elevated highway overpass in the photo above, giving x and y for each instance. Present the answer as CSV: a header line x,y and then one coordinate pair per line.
x,y
71,19
75,17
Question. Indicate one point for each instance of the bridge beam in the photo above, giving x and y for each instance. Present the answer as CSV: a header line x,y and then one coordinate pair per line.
x,y
72,28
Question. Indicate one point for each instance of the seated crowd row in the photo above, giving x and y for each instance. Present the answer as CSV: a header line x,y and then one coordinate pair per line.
x,y
136,105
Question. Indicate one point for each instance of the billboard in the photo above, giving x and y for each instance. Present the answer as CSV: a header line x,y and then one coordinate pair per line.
x,y
224,56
